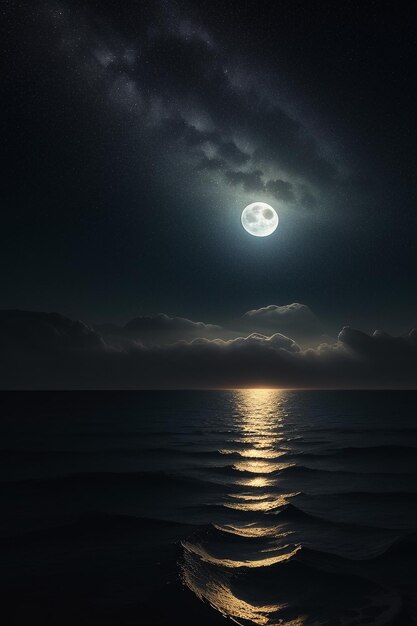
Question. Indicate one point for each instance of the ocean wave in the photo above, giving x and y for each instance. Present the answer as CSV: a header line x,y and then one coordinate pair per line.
x,y
292,513
271,546
270,531
296,589
365,431
242,558
384,511
384,451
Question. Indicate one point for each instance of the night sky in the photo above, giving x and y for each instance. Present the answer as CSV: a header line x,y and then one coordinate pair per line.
x,y
135,133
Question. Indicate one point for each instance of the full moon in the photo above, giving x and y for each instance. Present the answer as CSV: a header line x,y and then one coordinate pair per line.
x,y
259,219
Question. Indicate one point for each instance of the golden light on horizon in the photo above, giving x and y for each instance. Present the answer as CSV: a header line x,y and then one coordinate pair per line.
x,y
259,415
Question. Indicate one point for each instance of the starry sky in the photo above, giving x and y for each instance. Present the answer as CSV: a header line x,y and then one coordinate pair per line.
x,y
135,133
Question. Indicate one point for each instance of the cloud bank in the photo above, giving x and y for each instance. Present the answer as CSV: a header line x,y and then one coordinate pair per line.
x,y
157,329
296,320
50,351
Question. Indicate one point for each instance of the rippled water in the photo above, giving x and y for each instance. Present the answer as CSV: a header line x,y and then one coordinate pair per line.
x,y
274,507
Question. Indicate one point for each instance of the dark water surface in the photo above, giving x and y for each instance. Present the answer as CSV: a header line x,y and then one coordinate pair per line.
x,y
258,506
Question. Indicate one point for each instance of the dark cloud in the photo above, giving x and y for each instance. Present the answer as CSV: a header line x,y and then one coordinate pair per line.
x,y
230,152
296,320
179,129
298,196
281,189
250,181
157,329
42,350
162,322
186,87
213,165
375,348
28,330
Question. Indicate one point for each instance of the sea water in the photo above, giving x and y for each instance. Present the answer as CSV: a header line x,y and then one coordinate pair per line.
x,y
260,506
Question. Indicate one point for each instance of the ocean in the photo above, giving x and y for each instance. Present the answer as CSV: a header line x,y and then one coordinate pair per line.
x,y
206,507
